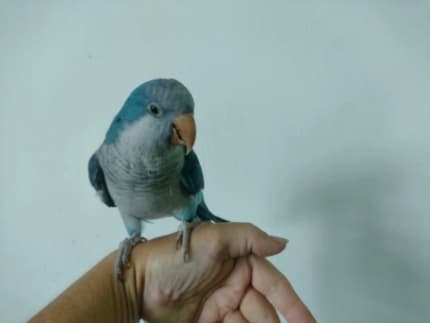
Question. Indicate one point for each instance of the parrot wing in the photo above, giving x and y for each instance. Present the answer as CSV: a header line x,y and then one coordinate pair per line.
x,y
192,175
193,182
97,180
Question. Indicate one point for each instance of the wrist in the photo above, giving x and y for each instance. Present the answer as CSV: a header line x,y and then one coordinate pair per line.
x,y
97,297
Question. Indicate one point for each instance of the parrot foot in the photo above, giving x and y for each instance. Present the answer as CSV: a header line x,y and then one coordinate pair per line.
x,y
183,237
124,250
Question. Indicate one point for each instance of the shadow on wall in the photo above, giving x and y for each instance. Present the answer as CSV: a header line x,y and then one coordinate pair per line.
x,y
366,259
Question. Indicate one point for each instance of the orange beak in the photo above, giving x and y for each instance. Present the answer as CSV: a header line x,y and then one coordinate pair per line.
x,y
184,131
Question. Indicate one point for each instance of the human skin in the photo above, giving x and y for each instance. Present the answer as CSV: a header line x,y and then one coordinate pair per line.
x,y
227,279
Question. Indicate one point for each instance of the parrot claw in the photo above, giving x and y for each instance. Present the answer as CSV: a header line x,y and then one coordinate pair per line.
x,y
183,237
124,250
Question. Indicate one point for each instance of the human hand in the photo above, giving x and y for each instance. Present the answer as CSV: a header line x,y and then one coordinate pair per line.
x,y
226,280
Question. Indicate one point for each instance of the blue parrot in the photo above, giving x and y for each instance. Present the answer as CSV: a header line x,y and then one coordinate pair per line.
x,y
146,165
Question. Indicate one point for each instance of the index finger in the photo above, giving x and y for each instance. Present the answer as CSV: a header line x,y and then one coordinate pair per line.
x,y
233,240
278,290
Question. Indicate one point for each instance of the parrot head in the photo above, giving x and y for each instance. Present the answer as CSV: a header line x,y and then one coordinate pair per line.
x,y
156,116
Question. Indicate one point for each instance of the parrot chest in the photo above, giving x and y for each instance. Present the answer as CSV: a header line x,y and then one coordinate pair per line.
x,y
146,188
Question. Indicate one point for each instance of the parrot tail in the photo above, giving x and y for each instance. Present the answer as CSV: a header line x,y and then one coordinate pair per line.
x,y
216,219
205,215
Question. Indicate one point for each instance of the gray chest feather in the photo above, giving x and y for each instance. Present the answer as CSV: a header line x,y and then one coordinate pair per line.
x,y
145,187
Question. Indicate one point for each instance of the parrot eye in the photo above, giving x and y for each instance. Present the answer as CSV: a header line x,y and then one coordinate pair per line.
x,y
154,109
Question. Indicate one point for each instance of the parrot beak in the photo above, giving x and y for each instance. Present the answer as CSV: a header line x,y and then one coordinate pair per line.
x,y
184,131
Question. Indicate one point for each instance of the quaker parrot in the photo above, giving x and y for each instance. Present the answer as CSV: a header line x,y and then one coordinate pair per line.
x,y
146,165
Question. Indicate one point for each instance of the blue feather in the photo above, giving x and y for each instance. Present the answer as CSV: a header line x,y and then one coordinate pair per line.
x,y
192,175
193,182
97,180
149,92
205,214
130,111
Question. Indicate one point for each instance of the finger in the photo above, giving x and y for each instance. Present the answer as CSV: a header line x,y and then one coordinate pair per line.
x,y
256,309
235,317
241,239
278,290
226,299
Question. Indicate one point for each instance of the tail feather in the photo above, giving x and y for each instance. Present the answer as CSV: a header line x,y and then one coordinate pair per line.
x,y
212,217
205,214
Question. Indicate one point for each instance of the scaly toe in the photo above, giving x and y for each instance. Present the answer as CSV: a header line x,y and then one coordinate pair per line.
x,y
179,240
186,254
124,250
183,237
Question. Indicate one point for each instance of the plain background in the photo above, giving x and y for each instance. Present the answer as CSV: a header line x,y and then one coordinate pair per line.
x,y
313,123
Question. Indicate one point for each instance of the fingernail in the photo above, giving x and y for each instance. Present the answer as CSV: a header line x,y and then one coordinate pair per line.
x,y
280,239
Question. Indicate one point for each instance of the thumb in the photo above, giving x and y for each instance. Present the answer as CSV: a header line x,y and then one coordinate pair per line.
x,y
242,239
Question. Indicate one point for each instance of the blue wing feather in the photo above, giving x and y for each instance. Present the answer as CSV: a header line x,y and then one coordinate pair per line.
x,y
192,175
97,180
193,182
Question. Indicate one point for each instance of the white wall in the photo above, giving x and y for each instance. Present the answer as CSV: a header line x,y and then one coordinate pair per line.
x,y
313,122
